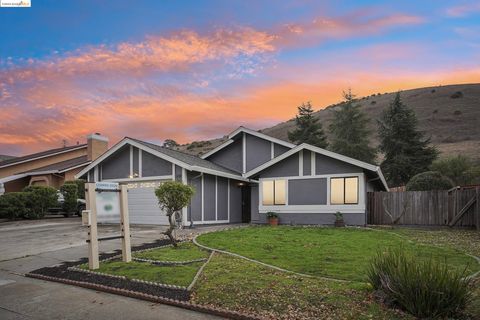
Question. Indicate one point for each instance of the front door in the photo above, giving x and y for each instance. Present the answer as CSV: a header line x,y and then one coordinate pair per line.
x,y
246,208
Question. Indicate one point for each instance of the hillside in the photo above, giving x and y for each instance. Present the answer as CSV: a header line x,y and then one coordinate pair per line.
x,y
450,115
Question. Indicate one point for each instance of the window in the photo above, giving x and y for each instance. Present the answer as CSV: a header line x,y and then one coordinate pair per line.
x,y
344,190
274,192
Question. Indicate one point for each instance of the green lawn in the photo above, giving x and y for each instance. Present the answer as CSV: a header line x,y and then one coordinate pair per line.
x,y
243,286
338,253
185,251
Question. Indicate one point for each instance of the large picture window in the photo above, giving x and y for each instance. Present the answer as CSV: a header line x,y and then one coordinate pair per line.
x,y
274,192
344,190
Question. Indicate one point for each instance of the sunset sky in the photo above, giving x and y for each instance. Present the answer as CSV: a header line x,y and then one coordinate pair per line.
x,y
191,70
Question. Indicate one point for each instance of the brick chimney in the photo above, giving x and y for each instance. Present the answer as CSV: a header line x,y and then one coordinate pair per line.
x,y
96,145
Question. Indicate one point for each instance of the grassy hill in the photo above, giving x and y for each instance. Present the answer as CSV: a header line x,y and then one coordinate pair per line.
x,y
450,115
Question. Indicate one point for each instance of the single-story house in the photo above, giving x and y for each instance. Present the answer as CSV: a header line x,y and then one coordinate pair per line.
x,y
50,167
248,175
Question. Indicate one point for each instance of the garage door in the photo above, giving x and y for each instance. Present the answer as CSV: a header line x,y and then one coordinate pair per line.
x,y
142,205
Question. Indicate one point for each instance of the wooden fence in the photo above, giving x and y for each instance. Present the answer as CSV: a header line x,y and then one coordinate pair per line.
x,y
456,207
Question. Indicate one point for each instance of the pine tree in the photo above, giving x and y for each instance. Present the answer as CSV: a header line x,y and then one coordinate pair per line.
x,y
308,129
406,151
350,134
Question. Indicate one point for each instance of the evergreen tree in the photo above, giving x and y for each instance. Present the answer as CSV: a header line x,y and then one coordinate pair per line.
x,y
308,129
350,134
406,151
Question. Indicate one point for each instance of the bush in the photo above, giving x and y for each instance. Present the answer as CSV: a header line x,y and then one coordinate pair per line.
x,y
39,199
457,95
459,169
14,205
426,289
429,180
69,192
80,183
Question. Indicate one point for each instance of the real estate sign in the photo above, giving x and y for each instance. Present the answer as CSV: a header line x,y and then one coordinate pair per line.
x,y
108,201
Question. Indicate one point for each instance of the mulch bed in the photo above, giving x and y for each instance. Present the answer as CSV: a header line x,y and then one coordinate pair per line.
x,y
62,272
172,296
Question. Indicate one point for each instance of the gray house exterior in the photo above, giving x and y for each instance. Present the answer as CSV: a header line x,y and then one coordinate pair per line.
x,y
242,179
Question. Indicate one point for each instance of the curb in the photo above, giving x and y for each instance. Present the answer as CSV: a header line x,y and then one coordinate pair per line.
x,y
138,295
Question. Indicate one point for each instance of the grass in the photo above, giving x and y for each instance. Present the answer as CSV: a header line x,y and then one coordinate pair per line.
x,y
185,251
338,253
243,286
180,275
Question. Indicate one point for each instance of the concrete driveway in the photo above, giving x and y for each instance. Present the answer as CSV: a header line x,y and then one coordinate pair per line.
x,y
29,245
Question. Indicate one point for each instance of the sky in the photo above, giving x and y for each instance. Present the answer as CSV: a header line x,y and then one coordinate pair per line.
x,y
194,70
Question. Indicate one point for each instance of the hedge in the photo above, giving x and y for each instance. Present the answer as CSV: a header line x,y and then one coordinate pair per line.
x,y
69,192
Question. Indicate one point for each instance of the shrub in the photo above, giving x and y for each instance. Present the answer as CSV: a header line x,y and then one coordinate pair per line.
x,y
426,289
80,187
39,199
457,95
272,214
459,169
69,192
14,205
429,180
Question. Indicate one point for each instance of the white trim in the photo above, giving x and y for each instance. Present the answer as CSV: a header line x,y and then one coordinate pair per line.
x,y
185,209
75,167
167,177
320,208
13,177
272,150
101,172
324,152
140,166
300,163
173,171
217,148
131,161
158,154
249,131
203,197
36,173
210,222
244,152
95,174
228,200
216,197
313,164
41,157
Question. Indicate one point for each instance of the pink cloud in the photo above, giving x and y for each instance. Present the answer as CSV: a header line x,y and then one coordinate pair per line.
x,y
463,10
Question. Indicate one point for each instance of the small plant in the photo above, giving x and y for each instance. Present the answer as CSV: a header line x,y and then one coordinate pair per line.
x,y
272,218
339,222
426,289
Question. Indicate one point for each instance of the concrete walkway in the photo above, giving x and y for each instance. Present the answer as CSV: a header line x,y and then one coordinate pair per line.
x,y
29,245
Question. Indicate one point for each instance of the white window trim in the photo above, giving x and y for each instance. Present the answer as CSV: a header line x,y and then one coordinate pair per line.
x,y
321,208
272,150
260,197
140,168
203,198
131,161
300,163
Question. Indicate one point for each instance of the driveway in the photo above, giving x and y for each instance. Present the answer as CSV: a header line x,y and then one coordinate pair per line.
x,y
29,245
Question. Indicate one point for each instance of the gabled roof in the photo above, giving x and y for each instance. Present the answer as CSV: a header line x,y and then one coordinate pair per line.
x,y
39,155
182,159
337,156
242,129
62,166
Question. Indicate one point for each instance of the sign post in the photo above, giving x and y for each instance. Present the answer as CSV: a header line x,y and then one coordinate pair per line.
x,y
125,225
105,198
90,198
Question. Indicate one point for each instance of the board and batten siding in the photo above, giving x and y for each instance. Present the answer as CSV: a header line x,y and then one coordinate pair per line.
x,y
308,176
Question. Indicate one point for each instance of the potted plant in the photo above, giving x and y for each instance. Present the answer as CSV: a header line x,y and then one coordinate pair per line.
x,y
272,218
339,222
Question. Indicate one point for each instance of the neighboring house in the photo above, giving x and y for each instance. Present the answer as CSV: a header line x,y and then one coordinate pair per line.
x,y
242,179
51,167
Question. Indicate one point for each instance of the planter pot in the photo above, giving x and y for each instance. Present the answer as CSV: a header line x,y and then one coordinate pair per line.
x,y
273,221
339,223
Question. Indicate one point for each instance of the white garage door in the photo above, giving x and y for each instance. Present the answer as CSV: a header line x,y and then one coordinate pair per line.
x,y
143,204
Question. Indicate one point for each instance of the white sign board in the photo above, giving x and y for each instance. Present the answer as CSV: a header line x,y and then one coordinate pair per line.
x,y
108,201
